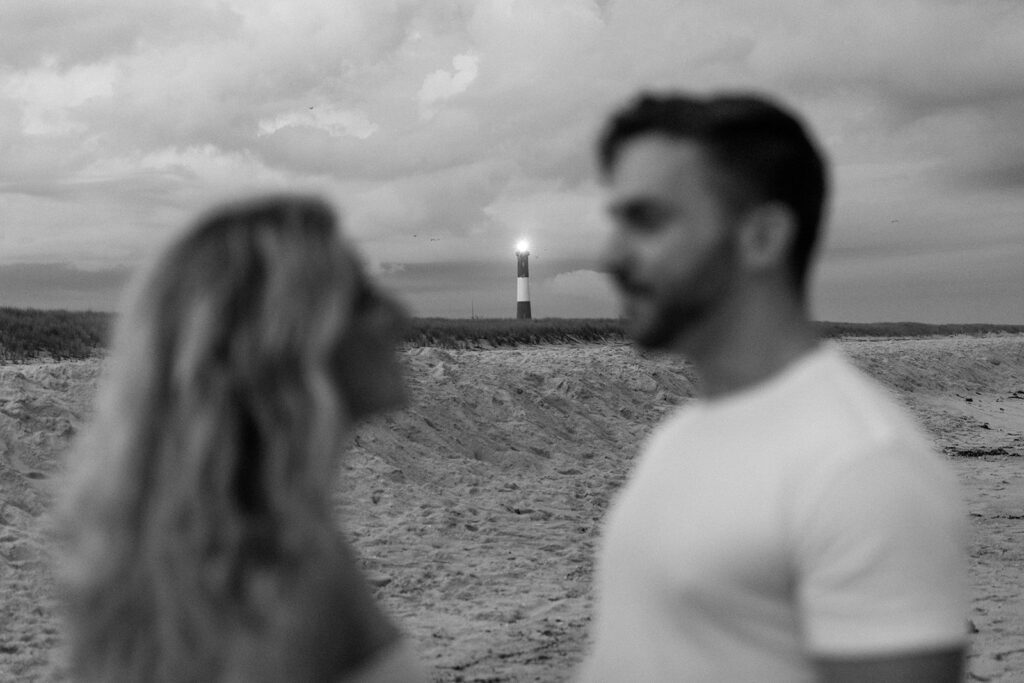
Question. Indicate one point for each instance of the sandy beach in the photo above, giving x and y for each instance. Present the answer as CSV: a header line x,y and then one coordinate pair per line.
x,y
477,508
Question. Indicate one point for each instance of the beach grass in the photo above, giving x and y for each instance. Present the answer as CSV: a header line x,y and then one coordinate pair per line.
x,y
32,335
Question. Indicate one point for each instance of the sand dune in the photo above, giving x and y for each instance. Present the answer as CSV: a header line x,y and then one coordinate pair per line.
x,y
477,508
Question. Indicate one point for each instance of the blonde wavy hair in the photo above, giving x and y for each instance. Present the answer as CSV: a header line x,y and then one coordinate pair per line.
x,y
201,491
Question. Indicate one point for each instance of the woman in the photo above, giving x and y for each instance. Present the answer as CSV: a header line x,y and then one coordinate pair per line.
x,y
197,531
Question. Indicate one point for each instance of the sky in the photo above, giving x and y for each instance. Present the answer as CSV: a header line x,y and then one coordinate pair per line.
x,y
445,130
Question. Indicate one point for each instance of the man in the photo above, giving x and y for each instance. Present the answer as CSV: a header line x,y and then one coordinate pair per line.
x,y
792,523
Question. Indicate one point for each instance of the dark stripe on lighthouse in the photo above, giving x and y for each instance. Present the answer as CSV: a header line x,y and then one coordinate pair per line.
x,y
523,262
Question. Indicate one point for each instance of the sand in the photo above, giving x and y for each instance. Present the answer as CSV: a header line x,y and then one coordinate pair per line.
x,y
477,508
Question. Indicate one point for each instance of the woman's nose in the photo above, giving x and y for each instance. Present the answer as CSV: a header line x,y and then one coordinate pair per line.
x,y
397,317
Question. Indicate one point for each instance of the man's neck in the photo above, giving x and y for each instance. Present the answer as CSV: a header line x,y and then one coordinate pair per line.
x,y
748,341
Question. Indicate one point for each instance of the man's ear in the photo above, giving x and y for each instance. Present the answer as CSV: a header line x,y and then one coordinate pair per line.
x,y
766,236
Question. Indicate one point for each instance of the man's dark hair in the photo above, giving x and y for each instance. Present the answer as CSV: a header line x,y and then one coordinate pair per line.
x,y
760,151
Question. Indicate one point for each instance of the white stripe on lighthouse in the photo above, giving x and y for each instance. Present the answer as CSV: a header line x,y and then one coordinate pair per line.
x,y
522,289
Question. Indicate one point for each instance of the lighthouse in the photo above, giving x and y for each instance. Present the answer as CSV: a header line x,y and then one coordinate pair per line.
x,y
523,280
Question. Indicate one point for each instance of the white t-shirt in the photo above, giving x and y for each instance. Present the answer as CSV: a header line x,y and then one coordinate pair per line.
x,y
807,516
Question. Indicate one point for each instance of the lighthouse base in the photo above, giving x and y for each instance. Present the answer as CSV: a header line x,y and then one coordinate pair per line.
x,y
523,310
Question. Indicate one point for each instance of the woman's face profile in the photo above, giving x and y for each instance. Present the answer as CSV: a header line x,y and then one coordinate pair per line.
x,y
368,366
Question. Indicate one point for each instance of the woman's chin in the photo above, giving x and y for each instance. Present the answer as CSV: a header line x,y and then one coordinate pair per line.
x,y
372,404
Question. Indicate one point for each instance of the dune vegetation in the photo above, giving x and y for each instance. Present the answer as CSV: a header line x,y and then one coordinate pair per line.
x,y
43,335
32,335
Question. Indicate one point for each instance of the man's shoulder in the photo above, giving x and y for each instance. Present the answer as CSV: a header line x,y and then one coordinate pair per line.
x,y
829,410
822,387
836,391
822,409
848,421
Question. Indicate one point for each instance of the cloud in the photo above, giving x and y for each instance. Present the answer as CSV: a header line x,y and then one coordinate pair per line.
x,y
530,46
581,283
405,214
116,132
443,85
583,293
914,55
90,31
559,221
48,96
334,122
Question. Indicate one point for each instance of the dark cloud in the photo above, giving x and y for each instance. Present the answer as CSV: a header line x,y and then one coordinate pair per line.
x,y
447,276
976,295
145,186
915,247
1005,176
61,285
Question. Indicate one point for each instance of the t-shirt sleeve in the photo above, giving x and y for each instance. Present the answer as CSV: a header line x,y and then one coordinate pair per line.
x,y
881,556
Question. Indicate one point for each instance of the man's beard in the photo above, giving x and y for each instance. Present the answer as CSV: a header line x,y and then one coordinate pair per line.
x,y
672,323
689,304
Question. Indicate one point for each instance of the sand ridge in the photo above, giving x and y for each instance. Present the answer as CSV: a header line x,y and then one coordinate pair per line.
x,y
477,508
